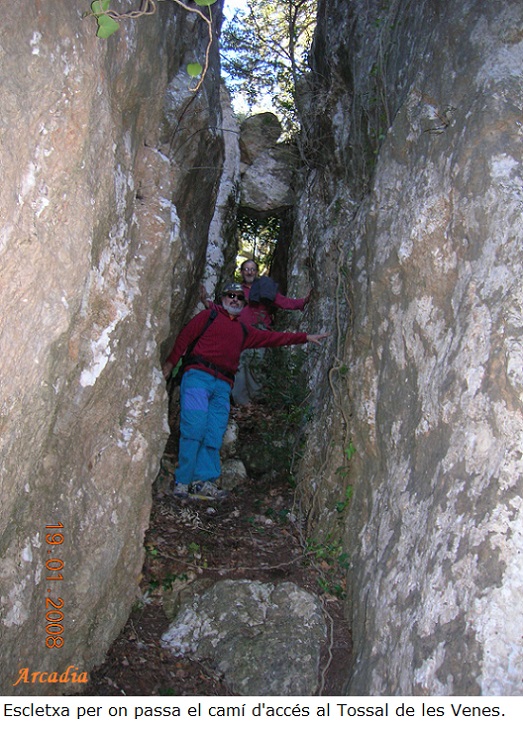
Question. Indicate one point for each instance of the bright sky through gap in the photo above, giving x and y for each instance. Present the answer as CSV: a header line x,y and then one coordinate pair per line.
x,y
231,5
239,104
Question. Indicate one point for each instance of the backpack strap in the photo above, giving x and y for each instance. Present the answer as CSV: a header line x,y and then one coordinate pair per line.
x,y
212,317
192,345
185,359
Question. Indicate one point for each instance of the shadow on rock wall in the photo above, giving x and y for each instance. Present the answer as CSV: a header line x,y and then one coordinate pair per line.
x,y
98,206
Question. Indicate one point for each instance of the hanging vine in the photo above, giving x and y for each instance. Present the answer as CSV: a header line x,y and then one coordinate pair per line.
x,y
109,22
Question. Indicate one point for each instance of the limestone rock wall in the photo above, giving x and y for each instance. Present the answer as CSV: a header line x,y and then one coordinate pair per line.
x,y
104,210
267,167
412,211
220,262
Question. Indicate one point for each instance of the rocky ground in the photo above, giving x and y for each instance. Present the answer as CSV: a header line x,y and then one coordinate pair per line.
x,y
255,534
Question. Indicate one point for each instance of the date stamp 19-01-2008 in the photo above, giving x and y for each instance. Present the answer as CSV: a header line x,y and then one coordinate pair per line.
x,y
54,605
54,613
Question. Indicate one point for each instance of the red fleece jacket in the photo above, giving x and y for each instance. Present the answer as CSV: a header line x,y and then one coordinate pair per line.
x,y
223,341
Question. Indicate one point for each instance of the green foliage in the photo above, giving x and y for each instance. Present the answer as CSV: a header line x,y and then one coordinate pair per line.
x,y
106,25
343,472
194,69
281,516
264,50
342,505
348,455
257,239
332,563
169,580
194,549
166,583
285,392
350,451
251,520
285,389
285,409
332,588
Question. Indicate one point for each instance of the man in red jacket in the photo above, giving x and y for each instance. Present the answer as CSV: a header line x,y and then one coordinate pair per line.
x,y
206,387
258,312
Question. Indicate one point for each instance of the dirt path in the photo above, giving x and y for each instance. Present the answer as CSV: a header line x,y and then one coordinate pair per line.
x,y
254,535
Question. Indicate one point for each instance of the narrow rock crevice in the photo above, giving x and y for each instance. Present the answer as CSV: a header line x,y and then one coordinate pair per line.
x,y
401,210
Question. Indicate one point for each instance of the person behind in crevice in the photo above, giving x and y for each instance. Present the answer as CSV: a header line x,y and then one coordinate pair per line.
x,y
262,304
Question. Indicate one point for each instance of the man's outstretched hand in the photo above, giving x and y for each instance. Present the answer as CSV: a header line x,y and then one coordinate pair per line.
x,y
317,338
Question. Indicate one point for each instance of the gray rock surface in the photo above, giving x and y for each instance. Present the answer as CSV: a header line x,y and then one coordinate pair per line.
x,y
267,166
258,133
230,440
101,185
412,211
265,639
233,473
220,261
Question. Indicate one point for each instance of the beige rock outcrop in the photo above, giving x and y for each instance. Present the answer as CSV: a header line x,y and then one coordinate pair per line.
x,y
104,212
411,212
267,167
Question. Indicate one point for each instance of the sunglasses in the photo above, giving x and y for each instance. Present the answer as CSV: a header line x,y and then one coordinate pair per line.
x,y
240,297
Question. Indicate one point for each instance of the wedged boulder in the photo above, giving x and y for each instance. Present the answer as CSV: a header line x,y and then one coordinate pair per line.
x,y
266,167
265,639
258,133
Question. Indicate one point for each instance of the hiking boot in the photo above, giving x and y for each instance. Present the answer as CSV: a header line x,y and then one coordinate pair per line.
x,y
206,491
180,490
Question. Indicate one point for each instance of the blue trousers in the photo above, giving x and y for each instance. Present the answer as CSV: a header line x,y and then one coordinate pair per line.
x,y
204,414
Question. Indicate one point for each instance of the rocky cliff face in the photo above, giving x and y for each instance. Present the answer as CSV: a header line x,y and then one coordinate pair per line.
x,y
105,205
412,210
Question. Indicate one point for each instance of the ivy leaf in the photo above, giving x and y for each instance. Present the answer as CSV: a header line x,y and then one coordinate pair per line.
x,y
194,69
204,3
100,6
106,26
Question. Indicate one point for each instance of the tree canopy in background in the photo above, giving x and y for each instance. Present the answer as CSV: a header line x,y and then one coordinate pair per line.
x,y
264,52
257,240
